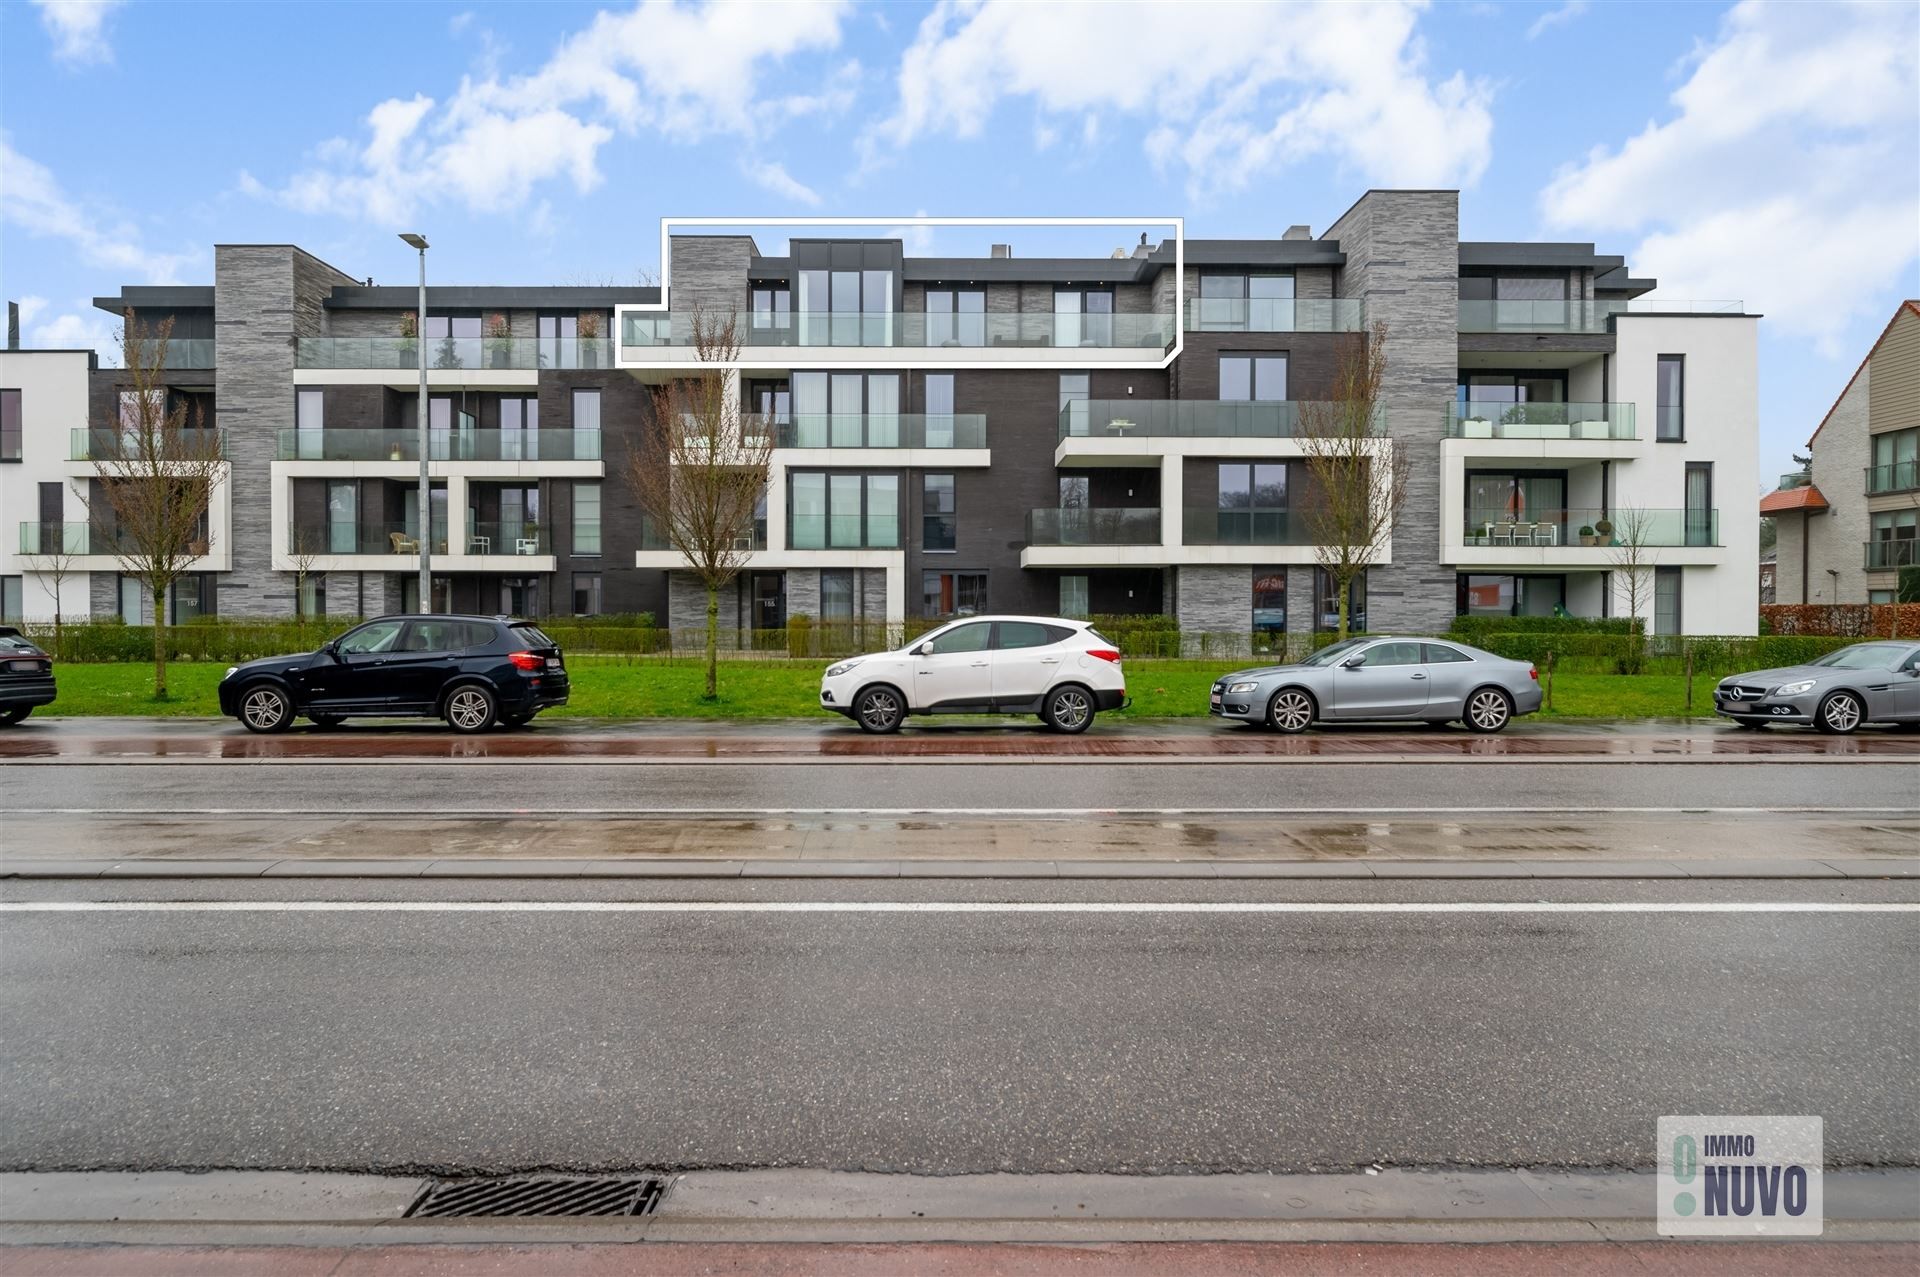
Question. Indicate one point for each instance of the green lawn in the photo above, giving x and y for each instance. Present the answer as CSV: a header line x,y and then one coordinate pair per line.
x,y
611,688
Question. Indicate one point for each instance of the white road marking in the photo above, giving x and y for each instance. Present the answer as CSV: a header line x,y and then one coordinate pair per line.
x,y
737,812
926,906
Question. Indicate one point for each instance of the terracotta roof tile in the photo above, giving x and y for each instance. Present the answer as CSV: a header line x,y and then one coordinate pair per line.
x,y
1807,498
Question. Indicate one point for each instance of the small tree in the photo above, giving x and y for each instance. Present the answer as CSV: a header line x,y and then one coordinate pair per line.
x,y
1633,561
1356,488
149,504
55,563
305,547
699,475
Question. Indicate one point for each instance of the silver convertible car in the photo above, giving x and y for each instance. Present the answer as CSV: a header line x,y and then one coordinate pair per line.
x,y
1382,680
1866,683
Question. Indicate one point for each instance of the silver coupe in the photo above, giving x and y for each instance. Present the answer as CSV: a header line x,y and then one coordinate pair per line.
x,y
1839,693
1382,680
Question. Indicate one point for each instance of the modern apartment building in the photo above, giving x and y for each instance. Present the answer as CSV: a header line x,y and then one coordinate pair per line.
x,y
1848,523
1108,433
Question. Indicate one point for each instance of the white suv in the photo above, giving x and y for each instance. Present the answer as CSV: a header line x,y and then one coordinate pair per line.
x,y
1064,671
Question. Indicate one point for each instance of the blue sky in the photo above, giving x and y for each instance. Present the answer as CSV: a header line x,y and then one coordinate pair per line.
x,y
1764,152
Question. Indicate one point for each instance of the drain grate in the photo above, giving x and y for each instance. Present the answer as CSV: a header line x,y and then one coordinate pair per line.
x,y
528,1197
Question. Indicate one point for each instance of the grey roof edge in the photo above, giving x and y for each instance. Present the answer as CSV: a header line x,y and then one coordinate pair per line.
x,y
158,296
481,296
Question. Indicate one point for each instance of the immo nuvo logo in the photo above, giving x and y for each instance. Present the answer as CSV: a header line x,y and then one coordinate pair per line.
x,y
1740,1176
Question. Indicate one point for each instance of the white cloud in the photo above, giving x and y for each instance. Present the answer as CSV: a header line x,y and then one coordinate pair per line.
x,y
31,198
775,178
80,329
1786,177
78,28
1232,89
684,72
1556,18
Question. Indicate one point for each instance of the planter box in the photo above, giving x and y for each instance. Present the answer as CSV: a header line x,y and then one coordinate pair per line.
x,y
1476,428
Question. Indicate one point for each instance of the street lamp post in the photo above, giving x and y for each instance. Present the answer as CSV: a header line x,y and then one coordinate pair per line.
x,y
426,495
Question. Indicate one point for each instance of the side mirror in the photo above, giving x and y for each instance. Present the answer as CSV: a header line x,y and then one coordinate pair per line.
x,y
925,649
1353,662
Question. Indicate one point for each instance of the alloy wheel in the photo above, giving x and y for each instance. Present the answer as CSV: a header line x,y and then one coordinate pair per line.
x,y
879,710
265,709
1487,710
469,709
1291,711
1070,710
1840,713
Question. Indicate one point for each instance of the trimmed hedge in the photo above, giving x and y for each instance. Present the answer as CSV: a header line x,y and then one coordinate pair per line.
x,y
1845,620
1465,628
1609,653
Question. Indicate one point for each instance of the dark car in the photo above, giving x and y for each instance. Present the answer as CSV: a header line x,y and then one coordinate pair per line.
x,y
473,671
26,676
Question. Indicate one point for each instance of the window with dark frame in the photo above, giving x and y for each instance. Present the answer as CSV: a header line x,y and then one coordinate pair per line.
x,y
953,594
11,433
956,317
1666,600
1253,377
939,523
772,307
586,593
1671,418
842,511
1325,605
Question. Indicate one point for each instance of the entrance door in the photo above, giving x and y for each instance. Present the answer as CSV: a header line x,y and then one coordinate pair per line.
x,y
769,609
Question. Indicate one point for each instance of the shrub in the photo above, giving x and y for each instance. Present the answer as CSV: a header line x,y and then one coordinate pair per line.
x,y
1465,628
1843,620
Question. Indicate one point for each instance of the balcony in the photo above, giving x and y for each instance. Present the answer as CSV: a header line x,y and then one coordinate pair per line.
x,y
1563,529
395,546
1243,527
874,430
1891,552
653,539
1094,527
186,352
1802,479
1274,315
81,539
1898,476
85,444
1483,419
1038,330
1575,315
1184,419
402,354
442,445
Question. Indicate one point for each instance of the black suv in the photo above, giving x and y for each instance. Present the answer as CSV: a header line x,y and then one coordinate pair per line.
x,y
26,676
473,671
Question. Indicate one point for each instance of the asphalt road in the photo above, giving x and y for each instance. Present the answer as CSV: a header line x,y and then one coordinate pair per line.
x,y
335,788
943,1042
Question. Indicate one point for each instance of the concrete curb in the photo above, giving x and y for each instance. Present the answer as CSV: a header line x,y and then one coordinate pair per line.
x,y
679,867
227,1207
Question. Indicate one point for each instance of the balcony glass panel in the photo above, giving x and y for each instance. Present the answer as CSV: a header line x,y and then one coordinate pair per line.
x,y
403,353
885,430
1274,314
443,445
1243,527
1052,526
396,538
1040,330
1182,419
113,445
1484,419
1561,527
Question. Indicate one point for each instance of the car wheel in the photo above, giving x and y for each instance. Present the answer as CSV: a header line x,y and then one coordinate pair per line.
x,y
1068,709
879,711
1489,710
470,708
1290,711
8,717
325,722
1840,714
265,708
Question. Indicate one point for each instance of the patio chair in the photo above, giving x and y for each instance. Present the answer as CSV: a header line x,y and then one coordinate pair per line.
x,y
1502,532
526,545
403,544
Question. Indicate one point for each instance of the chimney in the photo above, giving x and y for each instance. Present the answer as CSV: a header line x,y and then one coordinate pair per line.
x,y
13,325
1002,250
1142,250
1298,232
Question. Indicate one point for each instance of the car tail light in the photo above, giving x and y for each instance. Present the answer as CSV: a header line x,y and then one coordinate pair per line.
x,y
528,661
1105,654
1533,673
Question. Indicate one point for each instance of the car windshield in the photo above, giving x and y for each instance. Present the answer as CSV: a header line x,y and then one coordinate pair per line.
x,y
11,644
1335,652
1867,656
534,636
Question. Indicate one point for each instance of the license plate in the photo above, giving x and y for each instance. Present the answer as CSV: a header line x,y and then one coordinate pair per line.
x,y
25,667
553,662
1215,698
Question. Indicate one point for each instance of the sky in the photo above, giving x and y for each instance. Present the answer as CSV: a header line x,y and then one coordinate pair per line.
x,y
1763,152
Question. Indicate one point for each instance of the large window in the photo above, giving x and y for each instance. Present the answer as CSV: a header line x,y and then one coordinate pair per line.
x,y
772,307
1253,377
1699,508
1269,601
520,595
11,598
1893,535
1896,462
586,518
558,340
953,593
844,511
846,307
939,524
1506,594
1666,600
520,429
956,317
586,410
192,595
1512,387
836,596
458,327
1082,317
343,517
10,425
1325,603
1526,507
586,593
133,600
939,415
1245,303
310,599
1251,503
1672,392
846,410
1074,596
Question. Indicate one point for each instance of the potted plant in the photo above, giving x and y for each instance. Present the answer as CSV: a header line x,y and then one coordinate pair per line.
x,y
1603,531
1586,534
198,547
499,341
393,451
589,330
409,339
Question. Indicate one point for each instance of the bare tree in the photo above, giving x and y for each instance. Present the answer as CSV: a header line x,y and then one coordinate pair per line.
x,y
148,505
700,473
55,564
1631,537
306,547
1356,488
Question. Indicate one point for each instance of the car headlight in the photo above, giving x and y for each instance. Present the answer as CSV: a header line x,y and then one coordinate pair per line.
x,y
1793,689
231,671
835,671
1238,688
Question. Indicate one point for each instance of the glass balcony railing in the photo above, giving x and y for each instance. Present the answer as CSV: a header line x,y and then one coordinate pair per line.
x,y
442,445
1801,479
1892,552
1897,476
399,354
654,538
873,430
1273,315
1183,419
505,538
1082,526
1575,315
1605,529
1243,527
83,538
1041,330
1490,419
85,444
